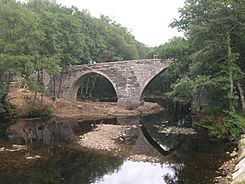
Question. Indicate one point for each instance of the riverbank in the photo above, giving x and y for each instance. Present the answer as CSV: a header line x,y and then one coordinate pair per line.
x,y
22,101
112,139
233,170
238,174
74,110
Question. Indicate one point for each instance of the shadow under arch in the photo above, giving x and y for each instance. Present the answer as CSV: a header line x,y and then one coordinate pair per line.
x,y
148,82
77,84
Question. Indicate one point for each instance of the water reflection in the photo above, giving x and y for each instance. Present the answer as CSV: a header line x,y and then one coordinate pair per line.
x,y
140,173
49,132
54,133
199,154
65,166
185,157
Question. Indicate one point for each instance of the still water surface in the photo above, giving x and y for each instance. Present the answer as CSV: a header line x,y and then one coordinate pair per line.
x,y
188,155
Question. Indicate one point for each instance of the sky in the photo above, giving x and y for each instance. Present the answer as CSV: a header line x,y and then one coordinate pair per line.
x,y
138,172
148,20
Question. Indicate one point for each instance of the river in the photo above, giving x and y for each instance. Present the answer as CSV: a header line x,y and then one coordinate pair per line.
x,y
186,154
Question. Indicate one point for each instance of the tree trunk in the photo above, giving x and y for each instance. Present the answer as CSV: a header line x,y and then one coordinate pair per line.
x,y
61,75
36,90
42,79
54,88
241,96
87,86
93,85
81,90
230,70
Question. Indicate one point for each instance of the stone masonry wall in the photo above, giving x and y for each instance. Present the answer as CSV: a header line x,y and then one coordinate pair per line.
x,y
129,78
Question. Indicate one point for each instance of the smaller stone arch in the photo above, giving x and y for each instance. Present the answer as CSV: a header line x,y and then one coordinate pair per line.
x,y
148,81
72,91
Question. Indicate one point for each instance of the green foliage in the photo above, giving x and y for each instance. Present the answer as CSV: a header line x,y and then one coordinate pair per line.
x,y
209,62
229,123
42,35
212,53
212,108
39,112
106,40
214,123
235,123
214,130
176,49
186,89
183,90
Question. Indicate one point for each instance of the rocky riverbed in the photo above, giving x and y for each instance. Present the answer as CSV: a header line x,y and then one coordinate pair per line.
x,y
238,175
119,140
233,170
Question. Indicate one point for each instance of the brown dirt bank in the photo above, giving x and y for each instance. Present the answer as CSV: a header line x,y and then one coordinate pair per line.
x,y
65,109
22,100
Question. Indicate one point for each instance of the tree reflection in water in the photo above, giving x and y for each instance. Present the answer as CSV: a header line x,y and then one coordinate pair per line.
x,y
188,158
65,166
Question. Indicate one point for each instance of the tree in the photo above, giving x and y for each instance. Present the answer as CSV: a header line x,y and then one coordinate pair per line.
x,y
20,39
42,35
178,50
64,41
212,28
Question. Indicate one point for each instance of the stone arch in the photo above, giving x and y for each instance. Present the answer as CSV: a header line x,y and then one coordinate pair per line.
x,y
72,92
148,81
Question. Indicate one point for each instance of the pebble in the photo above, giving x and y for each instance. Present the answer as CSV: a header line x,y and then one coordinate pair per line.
x,y
234,153
19,147
218,177
178,130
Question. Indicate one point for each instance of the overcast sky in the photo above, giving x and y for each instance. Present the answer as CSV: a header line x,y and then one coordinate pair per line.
x,y
147,20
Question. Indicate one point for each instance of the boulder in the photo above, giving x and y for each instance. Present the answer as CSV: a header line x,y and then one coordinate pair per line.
x,y
240,165
238,172
239,179
241,143
241,154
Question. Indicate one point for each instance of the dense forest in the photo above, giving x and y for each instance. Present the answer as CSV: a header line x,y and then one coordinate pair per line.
x,y
43,35
208,69
209,63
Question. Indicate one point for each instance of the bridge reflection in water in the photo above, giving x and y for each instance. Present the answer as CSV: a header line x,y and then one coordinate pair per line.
x,y
184,158
54,133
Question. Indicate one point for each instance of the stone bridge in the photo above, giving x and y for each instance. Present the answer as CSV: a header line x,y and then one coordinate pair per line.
x,y
129,78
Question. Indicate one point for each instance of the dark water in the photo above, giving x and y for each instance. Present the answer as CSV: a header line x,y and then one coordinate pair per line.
x,y
187,154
